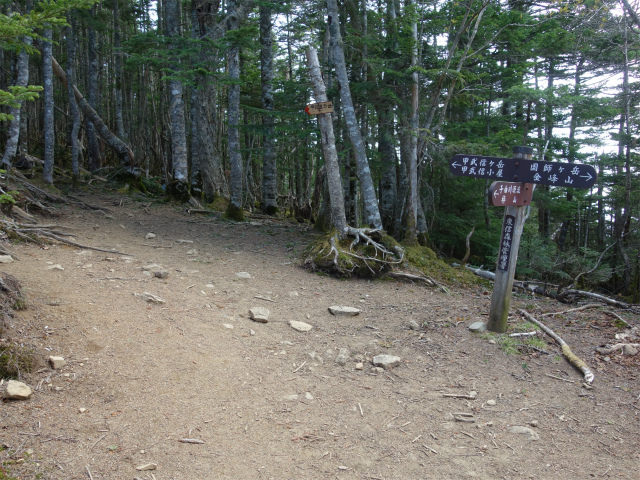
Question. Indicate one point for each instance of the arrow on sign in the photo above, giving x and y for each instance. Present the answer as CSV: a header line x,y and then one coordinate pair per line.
x,y
524,171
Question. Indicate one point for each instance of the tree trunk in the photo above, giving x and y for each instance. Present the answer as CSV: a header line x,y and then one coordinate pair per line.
x,y
371,211
121,148
336,195
179,161
117,46
269,172
234,210
388,184
92,97
73,106
11,146
411,214
49,126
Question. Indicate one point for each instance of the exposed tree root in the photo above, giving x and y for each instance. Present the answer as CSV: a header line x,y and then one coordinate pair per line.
x,y
365,253
566,351
616,347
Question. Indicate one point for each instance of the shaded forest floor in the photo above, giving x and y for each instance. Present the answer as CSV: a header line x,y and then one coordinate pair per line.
x,y
266,401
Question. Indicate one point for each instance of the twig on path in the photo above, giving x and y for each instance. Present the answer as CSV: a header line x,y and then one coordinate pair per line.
x,y
191,440
98,441
584,307
301,365
266,299
559,378
89,472
566,351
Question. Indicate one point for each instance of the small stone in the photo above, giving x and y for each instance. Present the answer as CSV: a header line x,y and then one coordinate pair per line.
x,y
629,350
413,325
293,294
478,327
6,259
193,251
150,235
291,398
259,314
308,396
359,366
227,325
491,403
386,361
82,410
533,423
147,466
492,341
344,311
57,266
160,273
57,362
87,265
252,332
377,370
315,357
184,241
342,357
607,359
526,431
17,390
329,354
243,275
210,285
151,298
300,326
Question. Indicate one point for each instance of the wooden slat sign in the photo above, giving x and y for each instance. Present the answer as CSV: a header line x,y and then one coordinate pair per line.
x,y
506,242
505,194
318,108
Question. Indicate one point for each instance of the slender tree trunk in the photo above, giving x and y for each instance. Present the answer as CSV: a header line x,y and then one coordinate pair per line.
x,y
388,184
73,106
179,159
115,143
92,98
371,211
11,146
49,125
336,195
269,172
117,45
234,210
412,203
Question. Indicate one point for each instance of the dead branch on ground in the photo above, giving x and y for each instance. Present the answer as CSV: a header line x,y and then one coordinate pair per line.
x,y
566,351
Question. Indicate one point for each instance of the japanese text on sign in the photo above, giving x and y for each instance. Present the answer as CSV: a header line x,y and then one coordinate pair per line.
x,y
318,108
505,194
506,242
521,170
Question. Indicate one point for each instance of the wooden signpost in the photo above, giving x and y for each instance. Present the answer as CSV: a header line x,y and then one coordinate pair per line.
x,y
318,108
515,197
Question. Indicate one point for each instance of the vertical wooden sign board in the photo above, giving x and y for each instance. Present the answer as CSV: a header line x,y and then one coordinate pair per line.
x,y
512,226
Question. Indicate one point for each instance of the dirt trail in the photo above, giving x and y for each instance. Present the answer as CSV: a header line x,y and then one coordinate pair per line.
x,y
270,402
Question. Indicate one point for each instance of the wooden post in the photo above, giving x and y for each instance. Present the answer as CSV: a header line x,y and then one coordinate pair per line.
x,y
512,226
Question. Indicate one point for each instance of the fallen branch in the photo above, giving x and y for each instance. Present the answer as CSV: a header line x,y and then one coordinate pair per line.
x,y
626,324
566,351
584,307
79,245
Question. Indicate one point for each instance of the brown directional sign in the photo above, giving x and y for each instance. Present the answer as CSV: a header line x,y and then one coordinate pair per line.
x,y
505,194
318,108
527,171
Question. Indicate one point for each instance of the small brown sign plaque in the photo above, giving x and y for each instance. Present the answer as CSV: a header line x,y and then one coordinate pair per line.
x,y
318,108
509,194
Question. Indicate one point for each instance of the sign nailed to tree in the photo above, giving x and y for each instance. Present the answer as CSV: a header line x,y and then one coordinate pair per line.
x,y
520,170
504,194
318,108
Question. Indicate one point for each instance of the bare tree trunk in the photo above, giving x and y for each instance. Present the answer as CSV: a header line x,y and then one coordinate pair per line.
x,y
269,172
92,98
234,210
117,45
176,111
73,106
11,146
121,148
388,184
371,211
205,155
412,170
336,195
49,126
